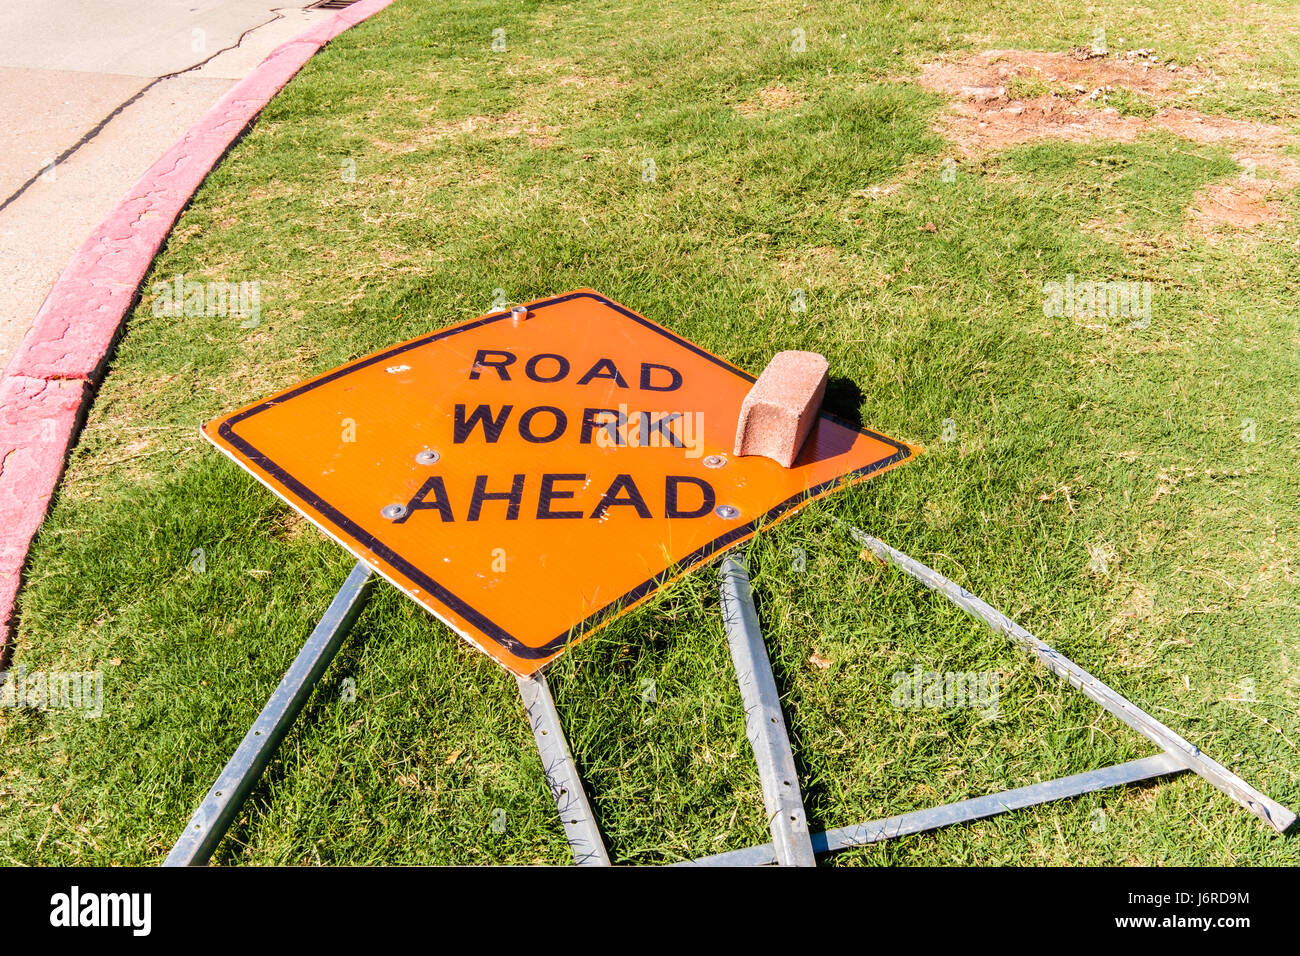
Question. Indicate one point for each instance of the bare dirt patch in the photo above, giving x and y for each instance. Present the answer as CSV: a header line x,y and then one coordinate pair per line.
x,y
576,79
1241,207
1002,98
812,261
1204,128
991,74
1138,606
291,526
513,123
769,99
1007,97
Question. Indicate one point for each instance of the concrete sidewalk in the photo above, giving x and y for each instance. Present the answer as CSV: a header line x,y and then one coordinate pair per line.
x,y
50,379
92,93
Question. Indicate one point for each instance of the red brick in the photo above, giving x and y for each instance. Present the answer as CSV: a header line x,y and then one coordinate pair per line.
x,y
780,409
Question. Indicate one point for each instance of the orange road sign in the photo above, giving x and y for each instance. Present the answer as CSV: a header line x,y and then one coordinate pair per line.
x,y
529,478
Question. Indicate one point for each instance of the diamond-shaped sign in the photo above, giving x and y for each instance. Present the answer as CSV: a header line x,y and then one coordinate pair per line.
x,y
527,479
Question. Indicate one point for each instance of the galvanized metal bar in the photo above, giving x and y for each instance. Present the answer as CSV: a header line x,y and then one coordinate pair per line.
x,y
1274,814
964,811
905,824
764,722
562,774
213,817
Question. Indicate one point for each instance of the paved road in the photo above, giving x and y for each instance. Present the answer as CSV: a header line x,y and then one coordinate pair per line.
x,y
92,92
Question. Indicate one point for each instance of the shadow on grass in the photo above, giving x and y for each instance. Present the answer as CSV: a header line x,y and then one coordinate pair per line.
x,y
844,398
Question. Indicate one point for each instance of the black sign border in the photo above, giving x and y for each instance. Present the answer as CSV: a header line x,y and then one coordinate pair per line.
x,y
438,592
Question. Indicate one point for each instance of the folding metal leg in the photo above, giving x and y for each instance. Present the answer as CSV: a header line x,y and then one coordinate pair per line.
x,y
214,815
213,818
1274,814
1179,755
919,821
562,774
764,723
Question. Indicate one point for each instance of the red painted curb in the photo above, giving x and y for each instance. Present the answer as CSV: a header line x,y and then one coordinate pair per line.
x,y
50,381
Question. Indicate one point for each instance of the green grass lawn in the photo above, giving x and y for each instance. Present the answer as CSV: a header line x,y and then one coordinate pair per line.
x,y
1127,493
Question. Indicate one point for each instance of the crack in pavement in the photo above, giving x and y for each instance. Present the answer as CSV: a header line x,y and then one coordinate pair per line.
x,y
99,127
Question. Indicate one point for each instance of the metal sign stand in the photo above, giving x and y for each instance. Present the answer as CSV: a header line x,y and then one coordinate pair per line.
x,y
562,774
217,812
764,723
213,817
1179,755
792,844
